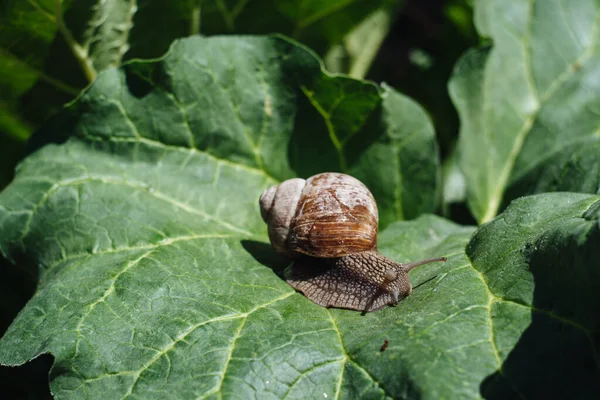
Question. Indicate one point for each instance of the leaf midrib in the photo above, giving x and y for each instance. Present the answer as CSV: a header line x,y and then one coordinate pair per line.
x,y
495,197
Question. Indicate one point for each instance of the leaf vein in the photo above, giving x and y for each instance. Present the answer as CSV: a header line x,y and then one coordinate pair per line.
x,y
163,242
192,328
133,184
498,190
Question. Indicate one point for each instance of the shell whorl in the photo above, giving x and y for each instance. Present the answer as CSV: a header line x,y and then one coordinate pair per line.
x,y
277,207
328,215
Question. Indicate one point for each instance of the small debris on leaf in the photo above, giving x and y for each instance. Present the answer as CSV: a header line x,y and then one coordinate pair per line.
x,y
384,345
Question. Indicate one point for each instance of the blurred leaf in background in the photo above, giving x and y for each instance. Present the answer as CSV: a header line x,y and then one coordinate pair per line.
x,y
355,54
419,54
529,104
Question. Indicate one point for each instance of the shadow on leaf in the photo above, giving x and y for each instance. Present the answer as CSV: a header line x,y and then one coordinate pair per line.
x,y
557,356
30,380
264,254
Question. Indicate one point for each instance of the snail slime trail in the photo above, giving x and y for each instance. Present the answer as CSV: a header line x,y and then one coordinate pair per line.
x,y
328,224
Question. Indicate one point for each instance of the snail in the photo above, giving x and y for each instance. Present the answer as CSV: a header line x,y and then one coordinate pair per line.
x,y
328,224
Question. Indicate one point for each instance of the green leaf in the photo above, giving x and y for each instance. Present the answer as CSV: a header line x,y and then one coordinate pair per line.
x,y
103,38
360,46
528,106
144,222
27,31
538,261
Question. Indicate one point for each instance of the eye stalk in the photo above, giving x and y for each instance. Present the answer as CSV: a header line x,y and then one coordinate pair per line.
x,y
407,267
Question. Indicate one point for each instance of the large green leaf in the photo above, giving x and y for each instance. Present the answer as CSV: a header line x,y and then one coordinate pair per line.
x,y
156,278
167,159
529,105
539,263
267,105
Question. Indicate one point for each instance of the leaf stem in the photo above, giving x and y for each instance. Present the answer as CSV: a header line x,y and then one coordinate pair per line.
x,y
227,17
79,52
195,21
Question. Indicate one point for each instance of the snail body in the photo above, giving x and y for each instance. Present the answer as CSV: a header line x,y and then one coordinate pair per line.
x,y
329,224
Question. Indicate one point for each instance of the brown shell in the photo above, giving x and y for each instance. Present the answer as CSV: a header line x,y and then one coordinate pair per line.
x,y
336,215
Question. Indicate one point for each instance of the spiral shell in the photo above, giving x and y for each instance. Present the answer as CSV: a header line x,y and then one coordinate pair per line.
x,y
328,215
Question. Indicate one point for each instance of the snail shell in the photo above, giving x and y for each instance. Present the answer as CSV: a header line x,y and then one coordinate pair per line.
x,y
328,215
